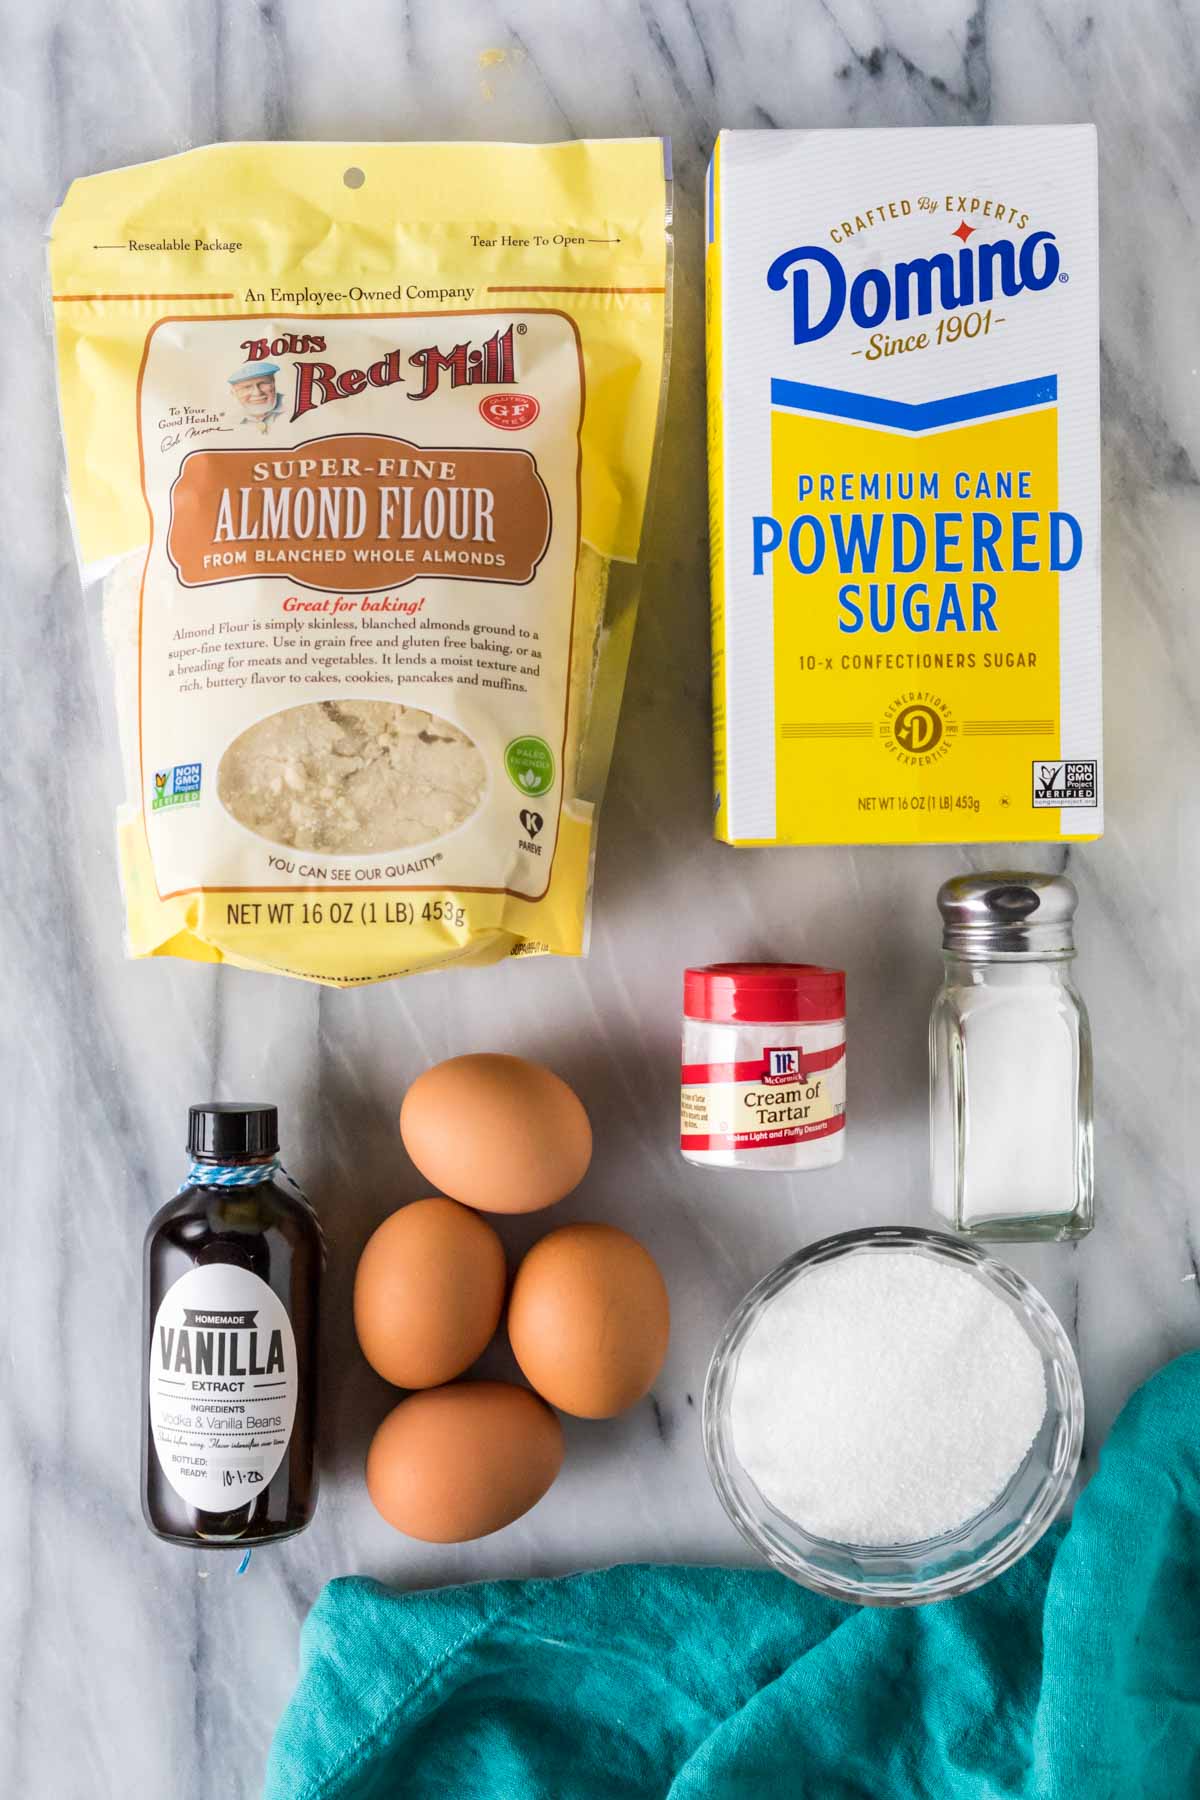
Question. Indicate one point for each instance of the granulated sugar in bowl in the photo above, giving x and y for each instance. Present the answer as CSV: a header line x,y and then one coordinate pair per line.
x,y
886,1399
893,1416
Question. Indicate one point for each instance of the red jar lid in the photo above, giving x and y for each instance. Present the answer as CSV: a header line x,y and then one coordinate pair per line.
x,y
763,993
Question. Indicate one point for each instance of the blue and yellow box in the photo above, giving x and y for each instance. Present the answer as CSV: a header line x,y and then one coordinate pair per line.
x,y
904,485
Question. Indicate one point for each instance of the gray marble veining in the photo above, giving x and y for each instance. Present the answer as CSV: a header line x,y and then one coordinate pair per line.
x,y
130,1669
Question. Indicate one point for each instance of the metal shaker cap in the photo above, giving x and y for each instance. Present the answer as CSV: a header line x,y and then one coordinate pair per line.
x,y
1008,913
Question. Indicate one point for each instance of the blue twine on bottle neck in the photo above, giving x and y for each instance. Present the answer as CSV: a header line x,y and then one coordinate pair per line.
x,y
204,1174
242,1175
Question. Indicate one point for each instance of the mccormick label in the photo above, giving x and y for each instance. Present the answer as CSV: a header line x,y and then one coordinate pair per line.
x,y
788,1095
904,460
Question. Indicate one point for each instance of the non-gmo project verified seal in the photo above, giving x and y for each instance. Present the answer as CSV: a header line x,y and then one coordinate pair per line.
x,y
1064,784
179,786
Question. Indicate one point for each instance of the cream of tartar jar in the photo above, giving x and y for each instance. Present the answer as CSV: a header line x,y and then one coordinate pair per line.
x,y
764,1066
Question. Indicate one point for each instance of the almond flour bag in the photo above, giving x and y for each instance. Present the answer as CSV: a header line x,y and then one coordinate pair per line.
x,y
359,441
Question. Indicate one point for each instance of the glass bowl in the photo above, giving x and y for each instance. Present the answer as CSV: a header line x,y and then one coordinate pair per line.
x,y
905,1574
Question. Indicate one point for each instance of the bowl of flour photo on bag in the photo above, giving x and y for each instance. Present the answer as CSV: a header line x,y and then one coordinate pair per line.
x,y
352,777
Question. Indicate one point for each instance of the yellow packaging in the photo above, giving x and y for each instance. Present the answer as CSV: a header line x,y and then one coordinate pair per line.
x,y
904,466
360,439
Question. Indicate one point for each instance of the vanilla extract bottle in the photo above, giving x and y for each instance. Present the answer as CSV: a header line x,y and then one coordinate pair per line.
x,y
232,1276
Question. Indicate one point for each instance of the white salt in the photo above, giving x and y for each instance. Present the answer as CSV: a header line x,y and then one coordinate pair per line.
x,y
886,1398
1019,1141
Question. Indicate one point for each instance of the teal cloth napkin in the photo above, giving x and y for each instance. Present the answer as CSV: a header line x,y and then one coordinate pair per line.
x,y
1076,1676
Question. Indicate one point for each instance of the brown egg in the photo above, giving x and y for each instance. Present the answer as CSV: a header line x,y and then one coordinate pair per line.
x,y
459,1462
496,1132
589,1319
428,1293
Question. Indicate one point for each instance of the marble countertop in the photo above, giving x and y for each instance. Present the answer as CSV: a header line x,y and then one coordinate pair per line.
x,y
136,1670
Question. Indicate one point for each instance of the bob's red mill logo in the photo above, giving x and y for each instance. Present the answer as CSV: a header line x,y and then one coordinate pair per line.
x,y
490,364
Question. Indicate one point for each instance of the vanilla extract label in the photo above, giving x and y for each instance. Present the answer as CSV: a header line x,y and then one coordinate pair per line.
x,y
222,1386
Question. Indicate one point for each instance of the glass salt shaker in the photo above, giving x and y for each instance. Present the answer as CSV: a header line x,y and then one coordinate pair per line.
x,y
1010,1062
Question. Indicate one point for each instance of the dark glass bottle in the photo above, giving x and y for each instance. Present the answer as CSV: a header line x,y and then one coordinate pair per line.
x,y
232,1275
